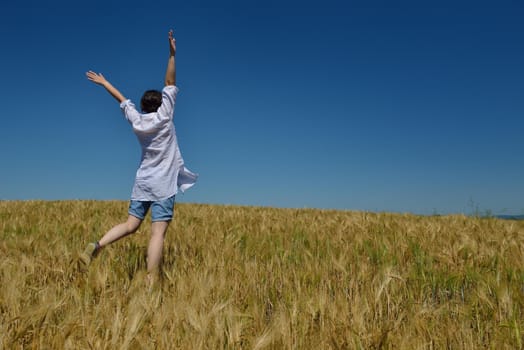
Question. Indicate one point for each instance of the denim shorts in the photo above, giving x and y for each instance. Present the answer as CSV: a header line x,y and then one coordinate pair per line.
x,y
160,210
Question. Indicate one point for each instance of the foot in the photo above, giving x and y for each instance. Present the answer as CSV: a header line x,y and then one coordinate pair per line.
x,y
89,253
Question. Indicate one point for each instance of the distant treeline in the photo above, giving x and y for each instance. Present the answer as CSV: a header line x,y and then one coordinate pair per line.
x,y
511,217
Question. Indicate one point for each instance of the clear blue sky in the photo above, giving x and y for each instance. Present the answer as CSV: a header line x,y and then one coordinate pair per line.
x,y
408,106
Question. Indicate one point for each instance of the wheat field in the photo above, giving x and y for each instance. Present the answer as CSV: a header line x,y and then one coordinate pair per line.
x,y
260,278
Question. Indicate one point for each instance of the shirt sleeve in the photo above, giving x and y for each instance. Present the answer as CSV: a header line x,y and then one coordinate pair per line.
x,y
167,108
130,112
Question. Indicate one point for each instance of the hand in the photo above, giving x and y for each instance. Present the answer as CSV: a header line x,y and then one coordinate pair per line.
x,y
172,43
96,78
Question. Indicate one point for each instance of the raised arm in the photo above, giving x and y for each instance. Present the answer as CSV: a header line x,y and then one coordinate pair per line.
x,y
99,79
171,66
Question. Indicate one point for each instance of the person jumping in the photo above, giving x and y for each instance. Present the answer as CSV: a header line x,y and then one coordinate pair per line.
x,y
162,170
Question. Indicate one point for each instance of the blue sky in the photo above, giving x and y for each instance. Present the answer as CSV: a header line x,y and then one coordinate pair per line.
x,y
407,106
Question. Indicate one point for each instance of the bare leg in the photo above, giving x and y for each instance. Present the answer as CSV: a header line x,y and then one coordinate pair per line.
x,y
156,246
120,231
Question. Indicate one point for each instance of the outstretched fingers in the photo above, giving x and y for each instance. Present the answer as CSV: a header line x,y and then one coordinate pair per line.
x,y
172,42
95,77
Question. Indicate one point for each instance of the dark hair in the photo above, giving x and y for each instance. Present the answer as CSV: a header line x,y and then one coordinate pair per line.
x,y
151,100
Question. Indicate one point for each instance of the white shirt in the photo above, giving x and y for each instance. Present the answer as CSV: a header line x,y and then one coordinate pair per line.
x,y
161,171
